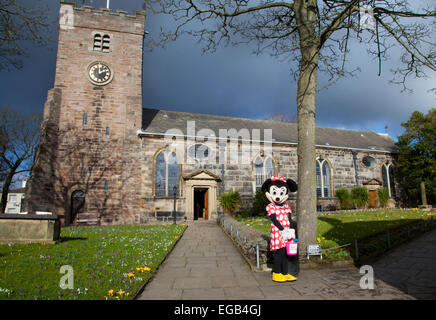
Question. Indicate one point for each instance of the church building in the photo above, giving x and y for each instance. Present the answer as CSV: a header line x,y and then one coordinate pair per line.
x,y
102,153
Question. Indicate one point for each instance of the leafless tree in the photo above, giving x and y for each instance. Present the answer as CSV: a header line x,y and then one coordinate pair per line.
x,y
317,35
19,23
22,132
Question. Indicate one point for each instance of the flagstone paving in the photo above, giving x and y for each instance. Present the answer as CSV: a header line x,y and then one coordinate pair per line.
x,y
205,265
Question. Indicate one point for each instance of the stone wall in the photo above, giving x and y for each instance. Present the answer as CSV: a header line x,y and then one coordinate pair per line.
x,y
240,177
248,240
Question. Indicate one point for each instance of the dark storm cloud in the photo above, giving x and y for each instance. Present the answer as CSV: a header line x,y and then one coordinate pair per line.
x,y
234,82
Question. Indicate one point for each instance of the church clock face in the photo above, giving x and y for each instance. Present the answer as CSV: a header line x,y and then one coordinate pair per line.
x,y
99,73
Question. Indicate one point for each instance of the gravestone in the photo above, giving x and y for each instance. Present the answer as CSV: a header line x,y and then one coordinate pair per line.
x,y
26,228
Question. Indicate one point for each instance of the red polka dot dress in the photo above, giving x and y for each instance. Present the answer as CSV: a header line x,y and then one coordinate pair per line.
x,y
281,212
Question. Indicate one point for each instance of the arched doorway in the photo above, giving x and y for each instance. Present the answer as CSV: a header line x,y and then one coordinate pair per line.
x,y
77,204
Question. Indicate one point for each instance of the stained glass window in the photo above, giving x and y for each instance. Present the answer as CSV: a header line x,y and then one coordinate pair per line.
x,y
160,175
173,173
167,174
263,169
388,179
258,171
323,189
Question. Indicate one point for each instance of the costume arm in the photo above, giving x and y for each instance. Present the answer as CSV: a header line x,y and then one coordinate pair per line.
x,y
276,222
293,225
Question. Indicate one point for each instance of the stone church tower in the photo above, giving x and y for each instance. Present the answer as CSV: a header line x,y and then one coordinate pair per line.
x,y
88,159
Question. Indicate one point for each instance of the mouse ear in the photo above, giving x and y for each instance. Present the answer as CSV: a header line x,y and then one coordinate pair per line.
x,y
265,185
292,185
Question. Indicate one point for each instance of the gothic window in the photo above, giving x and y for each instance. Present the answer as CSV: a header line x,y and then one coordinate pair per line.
x,y
263,169
101,42
388,179
166,174
323,186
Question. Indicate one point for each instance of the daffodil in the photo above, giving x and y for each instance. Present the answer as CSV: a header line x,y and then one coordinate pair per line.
x,y
111,292
120,292
131,275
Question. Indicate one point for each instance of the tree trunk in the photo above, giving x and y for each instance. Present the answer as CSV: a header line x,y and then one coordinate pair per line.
x,y
306,196
305,13
5,191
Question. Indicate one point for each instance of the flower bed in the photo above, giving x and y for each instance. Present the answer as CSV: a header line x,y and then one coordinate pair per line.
x,y
337,232
110,262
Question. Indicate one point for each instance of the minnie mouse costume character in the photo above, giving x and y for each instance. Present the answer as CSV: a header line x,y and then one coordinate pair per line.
x,y
283,228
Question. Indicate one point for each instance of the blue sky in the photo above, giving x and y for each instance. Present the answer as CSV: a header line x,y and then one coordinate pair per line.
x,y
234,82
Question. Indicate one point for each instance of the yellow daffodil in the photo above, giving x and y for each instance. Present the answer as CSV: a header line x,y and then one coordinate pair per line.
x,y
131,275
111,293
120,292
127,294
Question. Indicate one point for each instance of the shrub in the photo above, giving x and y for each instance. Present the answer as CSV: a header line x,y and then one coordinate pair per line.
x,y
259,203
360,196
383,196
230,201
344,198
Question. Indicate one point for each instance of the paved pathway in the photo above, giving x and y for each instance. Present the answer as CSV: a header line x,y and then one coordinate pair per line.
x,y
411,267
206,265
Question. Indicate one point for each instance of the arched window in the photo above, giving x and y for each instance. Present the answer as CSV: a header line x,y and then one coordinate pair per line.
x,y
388,179
263,169
166,173
323,189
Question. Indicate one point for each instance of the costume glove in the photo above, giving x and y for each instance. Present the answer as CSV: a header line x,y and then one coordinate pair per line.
x,y
288,234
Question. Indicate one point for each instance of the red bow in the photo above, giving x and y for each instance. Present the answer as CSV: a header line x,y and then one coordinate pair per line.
x,y
275,178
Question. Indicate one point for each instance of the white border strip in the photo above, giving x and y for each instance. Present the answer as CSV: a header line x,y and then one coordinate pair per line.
x,y
144,133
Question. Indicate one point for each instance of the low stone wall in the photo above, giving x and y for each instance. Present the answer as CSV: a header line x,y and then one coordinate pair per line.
x,y
25,228
247,239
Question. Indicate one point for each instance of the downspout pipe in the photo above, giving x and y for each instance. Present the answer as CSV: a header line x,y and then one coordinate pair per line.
x,y
356,173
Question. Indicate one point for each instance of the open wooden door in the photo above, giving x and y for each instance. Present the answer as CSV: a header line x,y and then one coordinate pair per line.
x,y
372,196
206,205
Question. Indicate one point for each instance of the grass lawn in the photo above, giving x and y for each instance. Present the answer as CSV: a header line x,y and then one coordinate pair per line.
x,y
340,229
109,262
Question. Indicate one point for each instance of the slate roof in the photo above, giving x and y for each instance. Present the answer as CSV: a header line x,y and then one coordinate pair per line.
x,y
20,190
156,121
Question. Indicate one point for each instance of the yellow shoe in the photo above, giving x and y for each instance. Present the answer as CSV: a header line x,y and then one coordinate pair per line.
x,y
289,277
278,277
